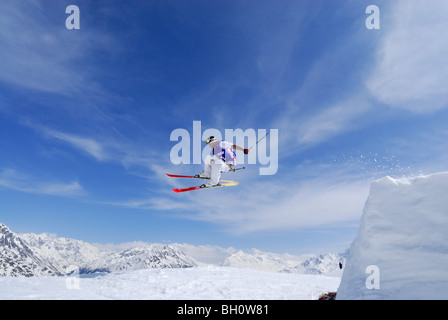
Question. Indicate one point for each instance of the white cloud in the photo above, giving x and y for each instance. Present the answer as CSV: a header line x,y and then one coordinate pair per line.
x,y
410,72
105,147
153,203
88,145
288,203
322,108
334,120
412,58
39,53
319,203
14,180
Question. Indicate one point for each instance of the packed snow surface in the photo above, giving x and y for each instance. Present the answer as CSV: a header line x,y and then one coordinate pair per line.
x,y
199,283
401,249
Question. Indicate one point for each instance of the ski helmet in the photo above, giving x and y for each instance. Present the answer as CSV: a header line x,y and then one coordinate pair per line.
x,y
210,140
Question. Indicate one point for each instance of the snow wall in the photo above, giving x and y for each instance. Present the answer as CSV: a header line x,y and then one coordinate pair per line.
x,y
401,248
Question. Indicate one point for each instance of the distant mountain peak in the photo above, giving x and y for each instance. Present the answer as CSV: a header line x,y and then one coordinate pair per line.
x,y
19,259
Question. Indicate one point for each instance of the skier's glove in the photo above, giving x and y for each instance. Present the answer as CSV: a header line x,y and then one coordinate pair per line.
x,y
246,151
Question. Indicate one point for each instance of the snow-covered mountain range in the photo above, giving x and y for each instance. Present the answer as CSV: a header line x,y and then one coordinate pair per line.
x,y
43,254
149,256
35,255
306,264
18,258
64,254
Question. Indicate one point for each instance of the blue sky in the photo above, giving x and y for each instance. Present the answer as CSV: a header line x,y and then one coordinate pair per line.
x,y
86,115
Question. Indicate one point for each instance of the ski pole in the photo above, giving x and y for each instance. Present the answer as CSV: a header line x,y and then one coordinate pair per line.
x,y
236,169
260,139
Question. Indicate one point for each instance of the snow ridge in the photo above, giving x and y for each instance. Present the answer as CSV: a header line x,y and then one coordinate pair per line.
x,y
150,256
65,254
18,258
41,255
400,250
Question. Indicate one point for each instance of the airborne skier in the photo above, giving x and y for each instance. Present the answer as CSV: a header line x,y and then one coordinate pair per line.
x,y
221,159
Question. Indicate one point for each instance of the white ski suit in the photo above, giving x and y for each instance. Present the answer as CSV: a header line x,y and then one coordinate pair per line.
x,y
218,162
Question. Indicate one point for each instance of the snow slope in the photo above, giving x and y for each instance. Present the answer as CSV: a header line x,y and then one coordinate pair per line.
x,y
199,283
401,248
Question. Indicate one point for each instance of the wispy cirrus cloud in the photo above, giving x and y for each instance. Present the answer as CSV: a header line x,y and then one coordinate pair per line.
x,y
408,71
40,54
335,197
106,148
87,145
331,121
320,202
411,70
11,179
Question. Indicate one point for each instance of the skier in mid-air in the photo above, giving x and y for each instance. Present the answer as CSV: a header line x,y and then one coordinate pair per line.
x,y
221,159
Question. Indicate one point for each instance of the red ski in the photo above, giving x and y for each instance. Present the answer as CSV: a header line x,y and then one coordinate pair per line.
x,y
180,176
222,183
